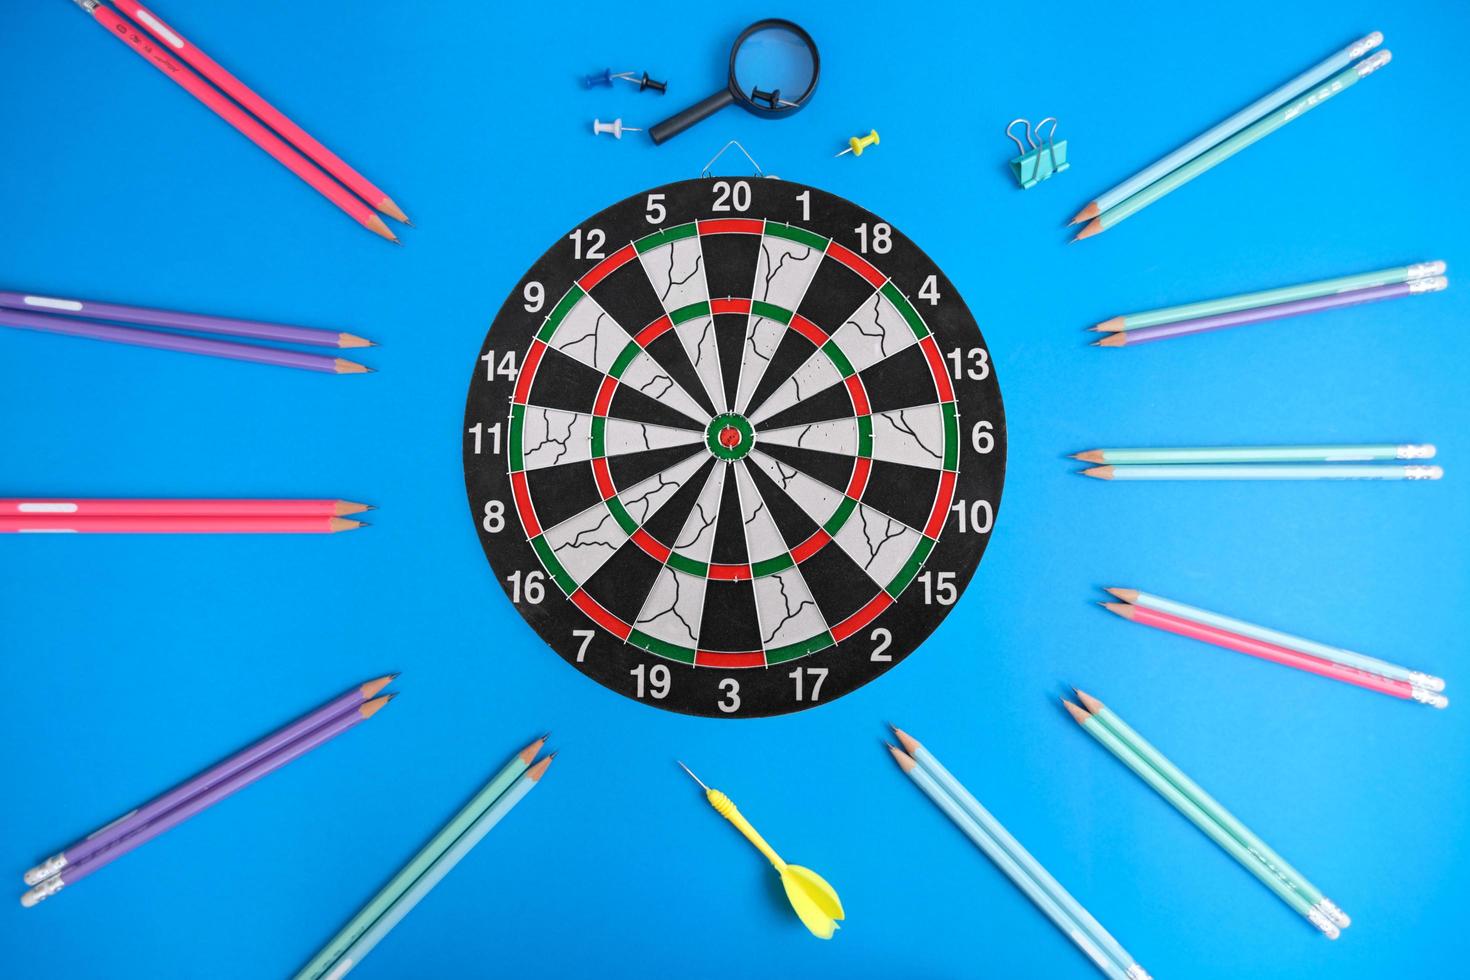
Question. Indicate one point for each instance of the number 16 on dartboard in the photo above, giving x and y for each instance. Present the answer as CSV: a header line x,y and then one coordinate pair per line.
x,y
754,448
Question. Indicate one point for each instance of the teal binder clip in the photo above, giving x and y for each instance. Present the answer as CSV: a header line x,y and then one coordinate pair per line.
x,y
1039,161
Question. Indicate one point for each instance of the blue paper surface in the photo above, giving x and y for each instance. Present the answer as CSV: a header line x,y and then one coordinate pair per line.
x,y
128,663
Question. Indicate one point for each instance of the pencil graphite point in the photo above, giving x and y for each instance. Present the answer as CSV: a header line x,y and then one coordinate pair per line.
x,y
1093,227
1091,456
1092,704
343,524
1118,339
1127,595
378,226
343,366
539,769
905,762
393,211
375,685
529,753
345,507
909,743
1078,715
353,340
370,708
1087,213
1099,472
1121,608
1110,326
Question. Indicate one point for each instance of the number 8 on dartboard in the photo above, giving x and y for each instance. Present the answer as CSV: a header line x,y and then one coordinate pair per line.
x,y
734,447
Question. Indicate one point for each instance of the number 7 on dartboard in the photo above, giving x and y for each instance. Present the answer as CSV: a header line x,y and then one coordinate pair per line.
x,y
734,447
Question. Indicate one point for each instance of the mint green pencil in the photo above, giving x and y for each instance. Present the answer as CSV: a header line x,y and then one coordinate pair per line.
x,y
1270,297
322,964
1247,471
1211,828
1257,454
1267,125
1262,851
442,865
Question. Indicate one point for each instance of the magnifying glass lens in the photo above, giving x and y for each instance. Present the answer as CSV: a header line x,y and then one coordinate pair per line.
x,y
775,59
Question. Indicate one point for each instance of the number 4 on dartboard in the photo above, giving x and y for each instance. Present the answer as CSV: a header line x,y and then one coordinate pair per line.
x,y
743,470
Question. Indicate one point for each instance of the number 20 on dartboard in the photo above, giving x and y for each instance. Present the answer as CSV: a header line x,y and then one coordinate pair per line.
x,y
734,447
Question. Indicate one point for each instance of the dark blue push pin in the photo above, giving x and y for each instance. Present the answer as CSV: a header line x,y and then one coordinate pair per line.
x,y
604,80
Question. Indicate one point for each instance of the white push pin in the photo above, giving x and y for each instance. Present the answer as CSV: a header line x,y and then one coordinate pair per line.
x,y
615,127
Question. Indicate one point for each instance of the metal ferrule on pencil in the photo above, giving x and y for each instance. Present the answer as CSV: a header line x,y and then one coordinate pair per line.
x,y
1424,451
1334,914
87,5
45,869
1427,681
1429,698
1315,916
1421,269
1371,64
42,891
1366,44
1423,472
1432,284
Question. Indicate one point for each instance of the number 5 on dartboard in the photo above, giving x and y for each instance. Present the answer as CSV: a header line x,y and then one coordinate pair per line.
x,y
753,472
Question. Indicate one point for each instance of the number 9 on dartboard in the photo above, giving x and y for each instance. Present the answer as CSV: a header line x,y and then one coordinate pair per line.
x,y
734,448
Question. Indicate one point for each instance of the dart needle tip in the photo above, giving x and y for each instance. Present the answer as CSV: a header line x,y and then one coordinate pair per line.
x,y
692,776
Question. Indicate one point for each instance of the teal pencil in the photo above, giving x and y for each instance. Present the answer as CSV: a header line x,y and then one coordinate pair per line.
x,y
1271,297
1301,644
1262,851
1022,857
411,872
966,823
1257,454
439,869
1263,127
1232,471
1201,819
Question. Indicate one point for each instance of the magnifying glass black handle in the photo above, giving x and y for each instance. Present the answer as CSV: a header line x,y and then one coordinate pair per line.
x,y
703,109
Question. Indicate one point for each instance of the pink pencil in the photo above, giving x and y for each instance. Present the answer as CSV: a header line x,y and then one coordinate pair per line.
x,y
53,509
185,78
1267,651
176,525
266,112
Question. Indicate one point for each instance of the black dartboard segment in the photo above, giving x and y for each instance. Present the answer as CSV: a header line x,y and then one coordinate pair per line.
x,y
734,447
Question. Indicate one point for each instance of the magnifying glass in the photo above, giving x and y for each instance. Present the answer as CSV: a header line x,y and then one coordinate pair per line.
x,y
773,71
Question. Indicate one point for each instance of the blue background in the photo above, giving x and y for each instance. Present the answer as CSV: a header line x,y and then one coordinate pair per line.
x,y
132,662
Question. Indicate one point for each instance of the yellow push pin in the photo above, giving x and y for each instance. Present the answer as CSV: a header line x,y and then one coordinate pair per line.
x,y
858,144
816,904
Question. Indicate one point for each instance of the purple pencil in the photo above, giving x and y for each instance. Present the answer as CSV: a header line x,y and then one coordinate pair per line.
x,y
199,322
105,837
1127,338
179,342
196,804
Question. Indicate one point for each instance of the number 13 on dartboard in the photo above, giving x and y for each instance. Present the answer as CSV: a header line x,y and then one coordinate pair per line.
x,y
734,447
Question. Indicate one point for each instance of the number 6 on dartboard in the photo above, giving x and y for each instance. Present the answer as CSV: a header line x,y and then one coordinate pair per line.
x,y
736,470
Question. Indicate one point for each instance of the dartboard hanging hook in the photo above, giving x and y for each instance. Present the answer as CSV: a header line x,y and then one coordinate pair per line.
x,y
736,143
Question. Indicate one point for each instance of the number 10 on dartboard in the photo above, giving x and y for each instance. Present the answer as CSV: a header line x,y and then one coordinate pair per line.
x,y
734,447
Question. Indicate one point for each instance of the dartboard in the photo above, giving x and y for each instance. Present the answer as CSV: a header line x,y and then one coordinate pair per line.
x,y
734,447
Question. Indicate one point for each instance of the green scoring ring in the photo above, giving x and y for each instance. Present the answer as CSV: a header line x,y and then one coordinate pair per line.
x,y
719,426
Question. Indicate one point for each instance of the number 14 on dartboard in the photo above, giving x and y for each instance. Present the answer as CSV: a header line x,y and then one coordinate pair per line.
x,y
734,447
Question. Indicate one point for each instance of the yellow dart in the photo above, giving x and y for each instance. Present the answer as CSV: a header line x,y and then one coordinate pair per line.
x,y
816,904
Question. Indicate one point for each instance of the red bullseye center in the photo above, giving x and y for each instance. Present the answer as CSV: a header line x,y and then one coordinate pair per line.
x,y
729,437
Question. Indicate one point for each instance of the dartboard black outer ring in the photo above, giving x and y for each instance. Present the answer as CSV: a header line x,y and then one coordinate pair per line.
x,y
907,619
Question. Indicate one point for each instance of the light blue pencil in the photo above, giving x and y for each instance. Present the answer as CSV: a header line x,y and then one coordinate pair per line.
x,y
1266,103
1336,654
997,854
930,764
438,870
1231,471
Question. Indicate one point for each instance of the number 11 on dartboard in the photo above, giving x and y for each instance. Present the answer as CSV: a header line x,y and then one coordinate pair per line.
x,y
734,447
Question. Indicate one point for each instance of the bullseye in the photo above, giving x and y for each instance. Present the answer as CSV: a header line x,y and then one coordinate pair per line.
x,y
729,436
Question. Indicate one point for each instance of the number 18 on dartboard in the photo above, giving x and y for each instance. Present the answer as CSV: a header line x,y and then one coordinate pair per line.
x,y
734,447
